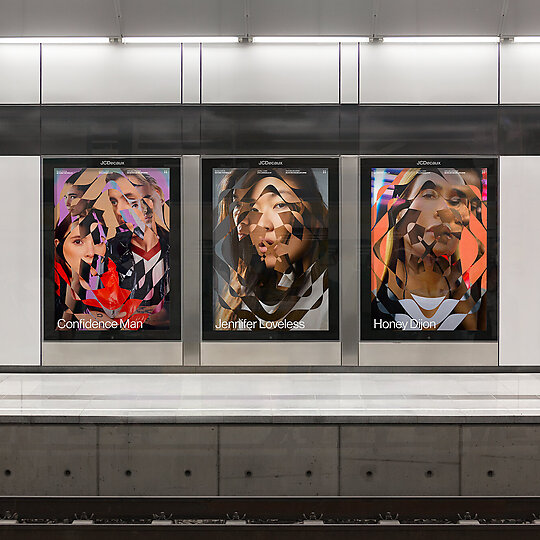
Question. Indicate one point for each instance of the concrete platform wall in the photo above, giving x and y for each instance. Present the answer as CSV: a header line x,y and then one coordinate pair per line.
x,y
250,460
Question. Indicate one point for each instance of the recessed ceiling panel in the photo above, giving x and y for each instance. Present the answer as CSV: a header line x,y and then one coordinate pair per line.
x,y
438,17
57,18
310,18
523,18
182,18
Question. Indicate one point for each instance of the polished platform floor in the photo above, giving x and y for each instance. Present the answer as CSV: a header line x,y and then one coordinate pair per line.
x,y
270,397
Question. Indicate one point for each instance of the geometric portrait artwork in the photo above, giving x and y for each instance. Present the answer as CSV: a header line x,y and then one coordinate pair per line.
x,y
112,261
432,268
274,250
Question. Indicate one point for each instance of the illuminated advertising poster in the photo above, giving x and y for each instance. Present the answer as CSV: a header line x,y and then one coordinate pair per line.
x,y
270,231
429,249
111,249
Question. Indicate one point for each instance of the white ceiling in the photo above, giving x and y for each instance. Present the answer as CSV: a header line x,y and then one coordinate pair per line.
x,y
268,17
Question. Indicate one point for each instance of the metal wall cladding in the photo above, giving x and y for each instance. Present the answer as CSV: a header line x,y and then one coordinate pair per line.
x,y
278,129
20,68
519,339
270,129
519,83
127,130
20,273
20,132
399,73
133,73
270,73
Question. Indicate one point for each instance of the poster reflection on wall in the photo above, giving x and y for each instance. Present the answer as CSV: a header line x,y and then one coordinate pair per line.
x,y
112,256
433,268
273,249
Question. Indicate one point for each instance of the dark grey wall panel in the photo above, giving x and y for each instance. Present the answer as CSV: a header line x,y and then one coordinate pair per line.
x,y
111,130
279,129
519,130
441,130
19,130
272,129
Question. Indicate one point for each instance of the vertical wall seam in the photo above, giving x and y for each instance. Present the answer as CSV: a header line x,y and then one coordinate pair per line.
x,y
40,78
200,73
460,456
499,229
339,460
218,467
358,78
98,430
499,73
41,261
340,82
181,73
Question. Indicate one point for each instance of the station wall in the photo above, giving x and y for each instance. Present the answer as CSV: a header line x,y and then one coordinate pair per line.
x,y
385,73
286,99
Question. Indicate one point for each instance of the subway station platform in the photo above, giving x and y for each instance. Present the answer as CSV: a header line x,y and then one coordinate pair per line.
x,y
270,397
270,434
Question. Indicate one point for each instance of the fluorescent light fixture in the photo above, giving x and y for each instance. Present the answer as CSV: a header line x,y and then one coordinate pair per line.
x,y
54,40
527,39
442,39
189,39
310,39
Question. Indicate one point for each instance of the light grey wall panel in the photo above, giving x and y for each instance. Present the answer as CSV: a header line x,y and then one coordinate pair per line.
x,y
399,460
191,73
48,460
114,73
422,353
309,18
519,318
111,353
20,273
268,353
349,72
270,73
19,66
278,460
158,460
500,460
520,79
449,73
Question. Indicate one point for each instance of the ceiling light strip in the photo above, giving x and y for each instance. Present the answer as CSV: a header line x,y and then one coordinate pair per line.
x,y
20,40
442,39
310,39
186,39
527,39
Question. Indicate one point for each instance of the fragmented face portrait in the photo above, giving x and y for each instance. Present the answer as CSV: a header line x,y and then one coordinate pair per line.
x,y
111,248
270,243
429,249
